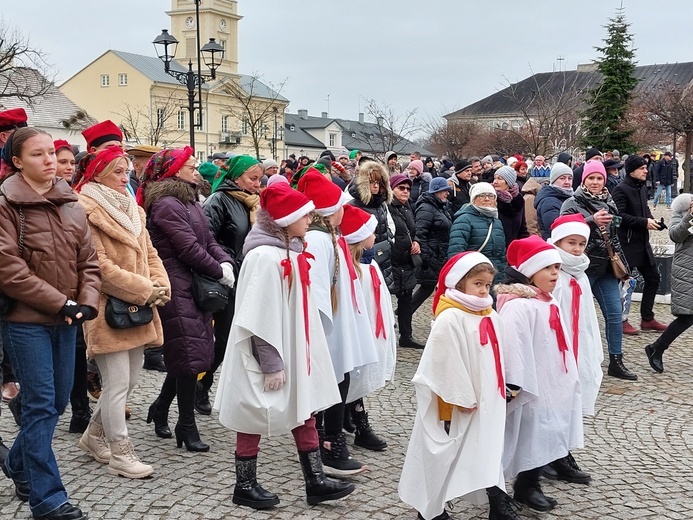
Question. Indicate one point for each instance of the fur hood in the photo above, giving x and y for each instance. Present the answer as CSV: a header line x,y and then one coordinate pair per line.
x,y
266,232
682,203
361,185
509,292
181,190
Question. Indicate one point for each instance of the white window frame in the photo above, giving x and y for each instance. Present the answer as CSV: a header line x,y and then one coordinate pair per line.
x,y
182,116
105,80
224,123
332,139
123,79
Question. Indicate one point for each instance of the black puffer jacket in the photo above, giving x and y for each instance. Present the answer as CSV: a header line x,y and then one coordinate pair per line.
x,y
229,220
596,248
403,274
665,172
630,197
360,190
433,223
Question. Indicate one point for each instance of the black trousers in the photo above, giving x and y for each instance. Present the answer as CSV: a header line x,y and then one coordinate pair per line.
x,y
651,278
333,417
405,311
222,328
78,396
421,294
674,330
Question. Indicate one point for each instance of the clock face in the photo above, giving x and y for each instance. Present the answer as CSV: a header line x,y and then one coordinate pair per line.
x,y
190,22
222,25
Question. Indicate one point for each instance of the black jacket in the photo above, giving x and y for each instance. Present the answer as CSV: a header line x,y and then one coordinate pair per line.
x,y
630,197
665,172
229,220
512,216
405,232
459,196
419,186
376,206
433,223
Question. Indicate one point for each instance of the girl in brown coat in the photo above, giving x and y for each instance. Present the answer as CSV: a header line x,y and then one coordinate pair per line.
x,y
132,272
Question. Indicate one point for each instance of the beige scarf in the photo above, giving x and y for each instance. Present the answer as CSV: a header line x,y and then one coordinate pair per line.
x,y
120,207
250,200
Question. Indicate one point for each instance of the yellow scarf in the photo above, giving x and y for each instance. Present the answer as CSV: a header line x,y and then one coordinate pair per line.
x,y
250,200
446,303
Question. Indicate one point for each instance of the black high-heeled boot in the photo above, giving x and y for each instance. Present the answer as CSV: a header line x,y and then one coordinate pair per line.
x,y
186,433
186,429
160,418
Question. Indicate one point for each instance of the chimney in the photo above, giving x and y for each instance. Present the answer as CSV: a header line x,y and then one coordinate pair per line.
x,y
303,114
361,117
324,115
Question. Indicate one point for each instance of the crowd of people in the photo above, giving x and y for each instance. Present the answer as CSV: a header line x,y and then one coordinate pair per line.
x,y
121,257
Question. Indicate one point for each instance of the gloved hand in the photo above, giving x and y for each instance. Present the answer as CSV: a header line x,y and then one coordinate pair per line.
x,y
76,314
70,310
227,277
274,381
88,313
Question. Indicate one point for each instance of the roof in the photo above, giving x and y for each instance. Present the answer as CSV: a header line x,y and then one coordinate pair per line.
x,y
502,103
298,136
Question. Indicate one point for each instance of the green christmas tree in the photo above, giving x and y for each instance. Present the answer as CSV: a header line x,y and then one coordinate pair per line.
x,y
605,120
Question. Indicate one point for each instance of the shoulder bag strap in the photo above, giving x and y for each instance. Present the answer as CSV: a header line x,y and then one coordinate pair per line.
x,y
488,236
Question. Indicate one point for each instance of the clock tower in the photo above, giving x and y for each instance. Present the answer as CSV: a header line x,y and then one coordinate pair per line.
x,y
218,20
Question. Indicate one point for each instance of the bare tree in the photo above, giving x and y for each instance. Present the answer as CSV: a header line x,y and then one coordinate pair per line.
x,y
24,72
389,131
150,125
451,138
257,106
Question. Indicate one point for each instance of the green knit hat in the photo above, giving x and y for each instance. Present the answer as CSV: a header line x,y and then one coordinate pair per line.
x,y
233,169
208,171
352,154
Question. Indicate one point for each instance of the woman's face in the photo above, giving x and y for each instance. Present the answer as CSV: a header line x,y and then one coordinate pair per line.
x,y
299,228
187,171
523,171
250,179
564,181
594,183
442,195
499,183
66,164
37,159
118,179
402,192
375,186
485,200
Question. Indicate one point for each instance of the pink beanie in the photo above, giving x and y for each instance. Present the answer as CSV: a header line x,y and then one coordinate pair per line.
x,y
593,167
417,165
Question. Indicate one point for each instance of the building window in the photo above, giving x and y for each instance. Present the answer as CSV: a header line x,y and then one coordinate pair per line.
x,y
122,80
244,127
105,80
200,157
160,115
181,120
198,120
333,140
224,123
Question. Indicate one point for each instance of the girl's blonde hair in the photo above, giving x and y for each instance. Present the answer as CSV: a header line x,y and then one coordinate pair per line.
x,y
318,219
357,255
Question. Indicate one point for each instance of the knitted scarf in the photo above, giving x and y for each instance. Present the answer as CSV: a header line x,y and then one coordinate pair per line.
x,y
120,207
249,200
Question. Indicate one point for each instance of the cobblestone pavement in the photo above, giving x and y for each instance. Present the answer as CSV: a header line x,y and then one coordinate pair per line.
x,y
638,450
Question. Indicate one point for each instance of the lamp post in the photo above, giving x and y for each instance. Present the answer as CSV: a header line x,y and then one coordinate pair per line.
x,y
213,54
277,134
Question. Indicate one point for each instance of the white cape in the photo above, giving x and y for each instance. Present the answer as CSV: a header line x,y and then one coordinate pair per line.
x,y
367,379
348,331
590,349
440,466
267,308
544,422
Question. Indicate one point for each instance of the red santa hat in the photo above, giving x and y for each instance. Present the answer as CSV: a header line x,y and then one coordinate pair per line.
x,y
357,225
530,255
101,133
455,269
11,119
567,225
284,204
326,195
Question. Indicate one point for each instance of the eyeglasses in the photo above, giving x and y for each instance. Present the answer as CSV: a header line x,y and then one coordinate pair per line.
x,y
485,196
375,183
403,188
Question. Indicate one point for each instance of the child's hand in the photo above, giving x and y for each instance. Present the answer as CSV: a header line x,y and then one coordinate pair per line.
x,y
466,410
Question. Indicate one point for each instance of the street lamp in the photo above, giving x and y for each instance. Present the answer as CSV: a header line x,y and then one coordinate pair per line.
x,y
213,53
277,134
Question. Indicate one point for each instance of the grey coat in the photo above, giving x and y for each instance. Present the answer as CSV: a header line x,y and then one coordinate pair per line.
x,y
682,268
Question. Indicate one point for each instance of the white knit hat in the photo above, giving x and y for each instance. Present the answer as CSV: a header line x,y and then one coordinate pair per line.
x,y
480,188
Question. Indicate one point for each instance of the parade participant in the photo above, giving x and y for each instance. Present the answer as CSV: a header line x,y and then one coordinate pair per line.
x,y
358,228
456,445
340,300
132,272
278,372
65,157
54,292
180,232
230,211
544,422
102,135
573,293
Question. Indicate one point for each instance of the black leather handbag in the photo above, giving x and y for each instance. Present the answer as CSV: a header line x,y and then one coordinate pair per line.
x,y
208,293
6,303
123,315
382,252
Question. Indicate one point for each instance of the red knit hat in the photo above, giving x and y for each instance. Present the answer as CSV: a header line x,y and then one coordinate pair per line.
x,y
530,255
454,269
567,225
101,133
357,225
326,195
11,119
59,144
284,204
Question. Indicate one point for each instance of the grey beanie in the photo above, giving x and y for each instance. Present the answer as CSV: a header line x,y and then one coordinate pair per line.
x,y
487,159
558,170
509,175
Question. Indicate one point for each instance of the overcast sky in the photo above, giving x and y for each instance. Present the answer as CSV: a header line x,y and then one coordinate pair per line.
x,y
435,56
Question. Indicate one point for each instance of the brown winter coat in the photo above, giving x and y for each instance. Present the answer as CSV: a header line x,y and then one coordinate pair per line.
x,y
529,193
129,266
59,260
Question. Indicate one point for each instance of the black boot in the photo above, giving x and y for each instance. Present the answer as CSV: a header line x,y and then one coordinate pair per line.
x,y
618,369
442,516
186,429
318,487
528,491
654,356
65,512
501,506
410,342
21,489
365,437
160,418
15,406
569,471
336,459
187,433
4,450
247,491
349,425
202,404
81,414
154,360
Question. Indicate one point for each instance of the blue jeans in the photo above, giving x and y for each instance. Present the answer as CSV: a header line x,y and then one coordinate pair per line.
x,y
659,192
43,357
607,290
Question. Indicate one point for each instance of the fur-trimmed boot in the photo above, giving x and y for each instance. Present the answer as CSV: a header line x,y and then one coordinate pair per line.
x,y
247,491
319,488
